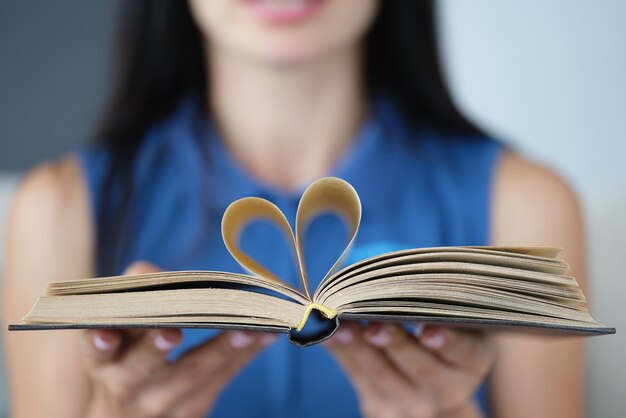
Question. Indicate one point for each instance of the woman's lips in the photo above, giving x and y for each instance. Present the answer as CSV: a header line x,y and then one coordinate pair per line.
x,y
283,11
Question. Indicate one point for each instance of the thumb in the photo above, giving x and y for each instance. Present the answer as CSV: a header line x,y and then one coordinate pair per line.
x,y
101,345
142,267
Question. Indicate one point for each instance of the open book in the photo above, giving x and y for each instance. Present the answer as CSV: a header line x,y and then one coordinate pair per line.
x,y
493,287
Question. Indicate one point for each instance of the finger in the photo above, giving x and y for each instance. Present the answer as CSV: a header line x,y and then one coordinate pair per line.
x,y
100,345
441,386
119,363
146,351
340,345
105,345
141,354
201,367
141,267
202,398
371,371
462,349
416,362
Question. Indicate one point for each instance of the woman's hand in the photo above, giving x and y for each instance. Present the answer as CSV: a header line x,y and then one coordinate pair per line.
x,y
396,374
131,376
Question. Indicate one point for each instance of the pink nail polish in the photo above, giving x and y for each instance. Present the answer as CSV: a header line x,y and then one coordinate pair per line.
x,y
435,341
380,338
163,343
101,344
268,339
344,336
239,339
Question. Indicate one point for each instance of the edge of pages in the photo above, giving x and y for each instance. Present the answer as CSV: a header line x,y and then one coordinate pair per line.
x,y
295,338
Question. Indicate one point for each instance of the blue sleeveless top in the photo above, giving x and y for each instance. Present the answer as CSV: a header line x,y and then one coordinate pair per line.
x,y
418,189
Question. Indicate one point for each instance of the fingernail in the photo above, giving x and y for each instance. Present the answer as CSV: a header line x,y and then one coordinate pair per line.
x,y
101,344
433,340
268,339
344,336
380,337
163,343
240,339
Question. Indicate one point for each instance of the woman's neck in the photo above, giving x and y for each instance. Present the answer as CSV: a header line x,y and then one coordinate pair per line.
x,y
287,124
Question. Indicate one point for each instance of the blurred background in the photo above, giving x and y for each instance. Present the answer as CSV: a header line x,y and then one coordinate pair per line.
x,y
549,78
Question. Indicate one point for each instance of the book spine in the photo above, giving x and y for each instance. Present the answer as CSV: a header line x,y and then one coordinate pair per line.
x,y
328,313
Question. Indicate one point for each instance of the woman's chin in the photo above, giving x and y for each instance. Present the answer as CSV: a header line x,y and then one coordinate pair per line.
x,y
284,54
284,32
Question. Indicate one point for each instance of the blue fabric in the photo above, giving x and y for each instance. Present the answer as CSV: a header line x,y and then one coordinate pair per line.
x,y
417,188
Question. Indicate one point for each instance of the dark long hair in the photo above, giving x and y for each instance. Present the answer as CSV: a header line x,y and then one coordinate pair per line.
x,y
161,60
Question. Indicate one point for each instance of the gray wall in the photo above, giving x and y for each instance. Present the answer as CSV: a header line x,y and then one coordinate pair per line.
x,y
550,78
53,75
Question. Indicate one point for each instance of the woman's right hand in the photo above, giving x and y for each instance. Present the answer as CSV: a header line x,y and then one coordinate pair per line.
x,y
131,376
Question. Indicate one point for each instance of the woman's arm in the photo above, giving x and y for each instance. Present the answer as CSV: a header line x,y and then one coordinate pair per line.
x,y
537,376
48,238
96,373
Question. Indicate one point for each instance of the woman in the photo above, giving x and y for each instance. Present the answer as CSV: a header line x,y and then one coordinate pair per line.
x,y
222,99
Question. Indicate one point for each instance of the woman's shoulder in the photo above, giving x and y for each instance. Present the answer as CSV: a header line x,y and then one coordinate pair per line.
x,y
516,171
49,215
51,194
531,201
51,187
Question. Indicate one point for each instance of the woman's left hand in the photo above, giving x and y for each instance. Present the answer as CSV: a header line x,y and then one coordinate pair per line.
x,y
396,374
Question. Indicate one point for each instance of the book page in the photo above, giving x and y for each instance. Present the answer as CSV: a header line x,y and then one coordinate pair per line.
x,y
172,280
327,195
534,259
163,306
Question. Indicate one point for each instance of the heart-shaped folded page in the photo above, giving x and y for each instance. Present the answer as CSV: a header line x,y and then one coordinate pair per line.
x,y
326,195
